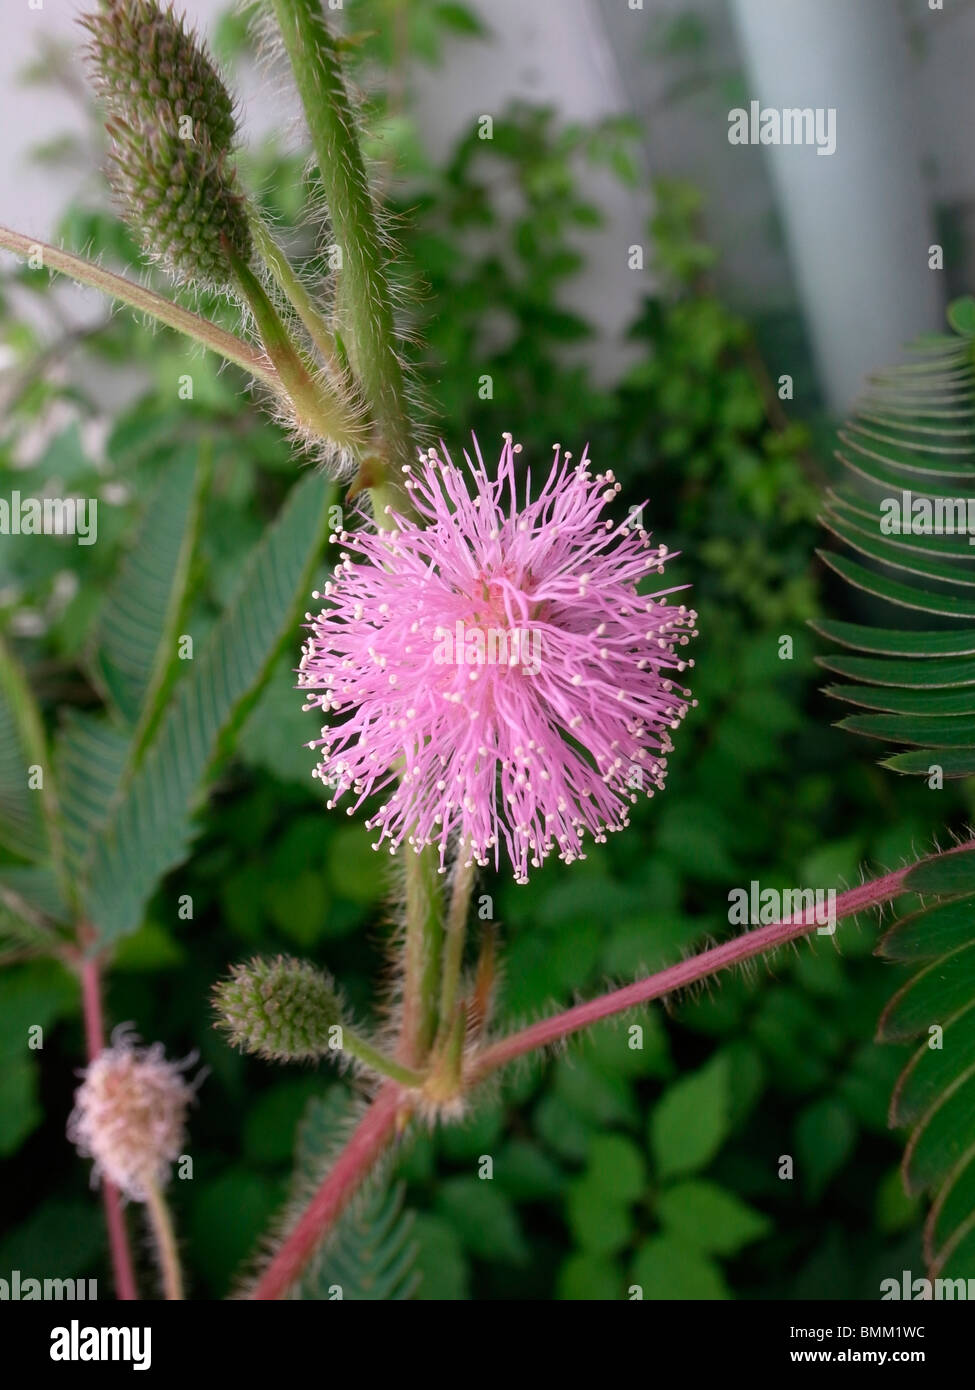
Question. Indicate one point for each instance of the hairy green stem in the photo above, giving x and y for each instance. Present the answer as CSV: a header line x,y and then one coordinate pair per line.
x,y
366,322
383,496
377,1061
290,284
454,936
317,406
145,302
421,956
363,301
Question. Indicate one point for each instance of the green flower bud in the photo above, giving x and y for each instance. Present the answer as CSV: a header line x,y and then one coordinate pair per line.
x,y
172,127
182,198
280,1009
149,69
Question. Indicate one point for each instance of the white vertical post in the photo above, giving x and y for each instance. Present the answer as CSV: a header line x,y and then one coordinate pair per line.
x,y
857,221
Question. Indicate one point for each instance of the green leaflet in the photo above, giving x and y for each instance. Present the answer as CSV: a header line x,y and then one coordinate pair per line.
x,y
922,702
926,731
930,933
135,643
913,559
23,808
32,889
954,873
134,657
150,827
933,1069
944,604
133,661
908,675
952,762
21,938
888,642
91,756
930,997
949,1246
371,1255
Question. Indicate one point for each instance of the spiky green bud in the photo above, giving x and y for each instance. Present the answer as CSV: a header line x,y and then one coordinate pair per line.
x,y
148,68
172,126
280,1009
183,200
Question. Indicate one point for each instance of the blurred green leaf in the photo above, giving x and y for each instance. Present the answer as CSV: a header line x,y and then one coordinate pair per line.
x,y
665,1268
691,1120
484,1219
710,1218
20,1110
616,1167
589,1277
227,1217
23,824
825,1136
61,1238
600,1222
136,642
440,1261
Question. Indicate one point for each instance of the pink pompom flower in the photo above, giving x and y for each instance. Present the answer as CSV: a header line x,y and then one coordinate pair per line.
x,y
491,667
130,1114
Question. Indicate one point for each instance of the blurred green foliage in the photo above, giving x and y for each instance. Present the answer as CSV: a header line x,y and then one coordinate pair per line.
x,y
613,1164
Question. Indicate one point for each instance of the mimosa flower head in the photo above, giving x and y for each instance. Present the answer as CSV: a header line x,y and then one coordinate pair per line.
x,y
491,667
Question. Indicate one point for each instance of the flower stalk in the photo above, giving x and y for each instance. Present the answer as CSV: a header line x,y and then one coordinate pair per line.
x,y
164,1240
363,301
421,956
455,933
297,295
365,315
319,409
376,1061
154,306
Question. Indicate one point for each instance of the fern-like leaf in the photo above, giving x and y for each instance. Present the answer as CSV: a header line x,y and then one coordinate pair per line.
x,y
935,1096
912,432
149,828
25,812
135,642
91,757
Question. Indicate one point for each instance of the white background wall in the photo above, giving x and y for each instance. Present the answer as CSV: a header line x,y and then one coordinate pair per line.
x,y
547,50
559,50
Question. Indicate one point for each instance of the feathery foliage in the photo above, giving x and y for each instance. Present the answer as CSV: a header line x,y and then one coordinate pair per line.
x,y
913,680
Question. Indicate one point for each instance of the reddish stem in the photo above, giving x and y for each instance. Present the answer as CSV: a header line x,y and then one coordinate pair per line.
x,y
379,1123
370,1137
118,1238
686,972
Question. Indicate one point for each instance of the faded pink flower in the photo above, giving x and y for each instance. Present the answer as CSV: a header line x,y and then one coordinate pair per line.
x,y
494,670
130,1114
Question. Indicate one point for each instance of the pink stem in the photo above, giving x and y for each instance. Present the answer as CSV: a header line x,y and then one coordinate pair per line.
x,y
378,1126
118,1239
370,1137
686,972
